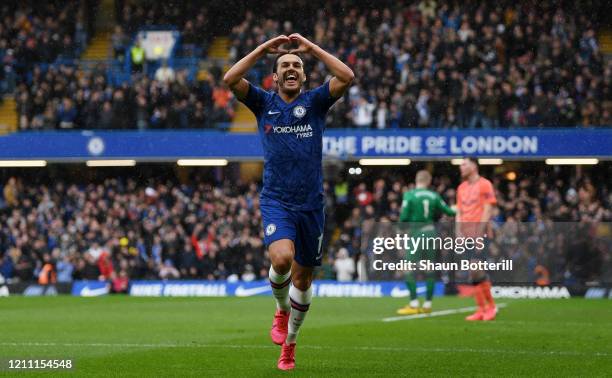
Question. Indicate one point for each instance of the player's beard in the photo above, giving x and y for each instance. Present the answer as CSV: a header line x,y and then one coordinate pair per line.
x,y
290,91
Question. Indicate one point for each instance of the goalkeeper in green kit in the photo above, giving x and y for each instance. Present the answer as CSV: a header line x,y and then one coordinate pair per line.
x,y
420,207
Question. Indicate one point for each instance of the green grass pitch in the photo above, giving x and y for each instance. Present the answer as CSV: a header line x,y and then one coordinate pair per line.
x,y
121,335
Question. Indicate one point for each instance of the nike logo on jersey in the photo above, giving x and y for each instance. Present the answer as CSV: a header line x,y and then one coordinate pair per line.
x,y
270,112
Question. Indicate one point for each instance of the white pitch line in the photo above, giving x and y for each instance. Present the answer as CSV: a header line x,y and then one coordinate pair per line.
x,y
316,347
451,311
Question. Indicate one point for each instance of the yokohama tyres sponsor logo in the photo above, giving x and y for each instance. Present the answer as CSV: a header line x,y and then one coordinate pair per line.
x,y
291,129
537,292
300,131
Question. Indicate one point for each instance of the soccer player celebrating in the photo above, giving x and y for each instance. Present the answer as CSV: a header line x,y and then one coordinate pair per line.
x,y
421,207
475,201
291,124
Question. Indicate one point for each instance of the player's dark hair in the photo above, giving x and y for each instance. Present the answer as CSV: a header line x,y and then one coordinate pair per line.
x,y
473,159
278,57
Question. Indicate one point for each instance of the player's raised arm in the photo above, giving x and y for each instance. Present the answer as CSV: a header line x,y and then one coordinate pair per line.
x,y
343,75
234,77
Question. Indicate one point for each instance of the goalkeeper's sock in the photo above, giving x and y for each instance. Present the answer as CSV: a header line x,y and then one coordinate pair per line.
x,y
300,302
280,289
431,281
411,284
486,289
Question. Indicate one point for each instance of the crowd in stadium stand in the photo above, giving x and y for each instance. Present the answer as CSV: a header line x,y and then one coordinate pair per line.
x,y
121,229
189,17
67,97
63,94
423,64
431,64
38,32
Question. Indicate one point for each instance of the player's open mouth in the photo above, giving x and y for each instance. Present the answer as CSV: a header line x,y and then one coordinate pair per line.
x,y
291,78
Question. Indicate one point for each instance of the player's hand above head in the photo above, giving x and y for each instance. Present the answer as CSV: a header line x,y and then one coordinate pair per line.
x,y
304,45
273,46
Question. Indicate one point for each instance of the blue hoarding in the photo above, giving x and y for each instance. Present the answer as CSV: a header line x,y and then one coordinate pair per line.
x,y
320,288
342,144
90,288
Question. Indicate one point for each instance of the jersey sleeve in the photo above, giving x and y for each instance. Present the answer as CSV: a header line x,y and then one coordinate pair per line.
x,y
405,210
255,99
322,98
487,193
444,207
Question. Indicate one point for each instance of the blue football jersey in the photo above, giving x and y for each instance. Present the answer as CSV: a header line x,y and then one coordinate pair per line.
x,y
292,139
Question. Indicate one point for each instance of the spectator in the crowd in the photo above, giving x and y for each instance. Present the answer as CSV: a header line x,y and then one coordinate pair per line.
x,y
66,114
105,120
168,271
137,57
65,268
11,192
382,116
363,113
344,266
164,73
120,42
